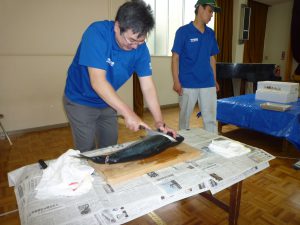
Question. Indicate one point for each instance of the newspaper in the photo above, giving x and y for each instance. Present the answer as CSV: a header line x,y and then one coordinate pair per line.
x,y
107,204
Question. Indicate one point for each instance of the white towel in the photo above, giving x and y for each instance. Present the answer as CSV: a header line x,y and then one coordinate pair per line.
x,y
228,148
66,176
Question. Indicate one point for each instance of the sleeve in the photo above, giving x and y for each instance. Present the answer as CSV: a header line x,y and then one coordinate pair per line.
x,y
143,61
94,48
178,42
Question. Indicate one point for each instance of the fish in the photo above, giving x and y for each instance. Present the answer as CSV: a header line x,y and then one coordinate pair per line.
x,y
144,148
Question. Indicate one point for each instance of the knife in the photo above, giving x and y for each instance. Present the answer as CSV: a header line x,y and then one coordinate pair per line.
x,y
151,132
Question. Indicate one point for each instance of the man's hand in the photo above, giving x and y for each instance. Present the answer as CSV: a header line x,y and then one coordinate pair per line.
x,y
175,73
177,87
133,122
161,126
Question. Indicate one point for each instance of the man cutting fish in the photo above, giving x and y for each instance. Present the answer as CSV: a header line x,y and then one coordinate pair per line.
x,y
107,56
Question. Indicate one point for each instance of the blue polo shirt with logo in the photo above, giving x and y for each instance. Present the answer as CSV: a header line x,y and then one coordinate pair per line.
x,y
195,49
99,49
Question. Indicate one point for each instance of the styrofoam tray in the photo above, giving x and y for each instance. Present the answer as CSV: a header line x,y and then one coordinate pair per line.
x,y
275,106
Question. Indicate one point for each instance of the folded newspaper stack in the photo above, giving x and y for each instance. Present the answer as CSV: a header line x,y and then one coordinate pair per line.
x,y
228,148
66,176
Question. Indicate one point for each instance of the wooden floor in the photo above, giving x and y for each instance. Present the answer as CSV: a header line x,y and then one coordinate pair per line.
x,y
270,197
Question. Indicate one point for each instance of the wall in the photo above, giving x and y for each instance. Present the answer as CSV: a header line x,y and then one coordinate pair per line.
x,y
237,48
37,43
163,80
278,34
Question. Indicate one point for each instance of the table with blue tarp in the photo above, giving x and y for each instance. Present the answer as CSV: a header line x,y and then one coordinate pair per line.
x,y
245,112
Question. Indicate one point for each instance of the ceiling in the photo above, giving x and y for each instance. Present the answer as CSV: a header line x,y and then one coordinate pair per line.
x,y
272,2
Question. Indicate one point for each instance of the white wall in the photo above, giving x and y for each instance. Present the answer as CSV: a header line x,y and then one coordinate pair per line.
x,y
163,80
37,43
237,48
42,27
31,89
278,34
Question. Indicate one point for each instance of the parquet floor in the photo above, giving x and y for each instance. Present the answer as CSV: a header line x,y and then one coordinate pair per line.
x,y
270,197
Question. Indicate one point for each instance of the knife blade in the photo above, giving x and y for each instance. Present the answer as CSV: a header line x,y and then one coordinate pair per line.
x,y
151,132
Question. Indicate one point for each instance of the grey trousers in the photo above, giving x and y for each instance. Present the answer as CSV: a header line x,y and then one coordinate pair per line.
x,y
207,102
92,128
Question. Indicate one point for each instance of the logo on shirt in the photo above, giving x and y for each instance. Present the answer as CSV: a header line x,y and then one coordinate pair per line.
x,y
111,63
150,66
193,39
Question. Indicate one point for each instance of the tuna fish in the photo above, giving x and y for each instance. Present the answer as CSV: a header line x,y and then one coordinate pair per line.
x,y
146,147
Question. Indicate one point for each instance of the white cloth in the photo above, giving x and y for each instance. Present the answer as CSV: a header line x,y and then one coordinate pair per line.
x,y
228,148
207,102
66,176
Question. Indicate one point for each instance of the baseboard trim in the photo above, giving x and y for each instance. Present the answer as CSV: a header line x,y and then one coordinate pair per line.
x,y
35,129
169,106
60,125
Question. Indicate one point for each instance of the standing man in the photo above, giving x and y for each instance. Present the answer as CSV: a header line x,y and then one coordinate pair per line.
x,y
194,67
107,56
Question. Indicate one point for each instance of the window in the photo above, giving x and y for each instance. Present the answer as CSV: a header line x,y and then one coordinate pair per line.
x,y
169,16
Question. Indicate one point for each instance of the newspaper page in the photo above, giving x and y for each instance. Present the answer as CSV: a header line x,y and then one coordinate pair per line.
x,y
107,204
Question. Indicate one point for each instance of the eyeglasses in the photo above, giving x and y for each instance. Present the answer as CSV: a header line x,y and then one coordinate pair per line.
x,y
132,41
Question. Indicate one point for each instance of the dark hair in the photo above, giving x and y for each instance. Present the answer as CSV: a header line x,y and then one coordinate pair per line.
x,y
197,8
135,15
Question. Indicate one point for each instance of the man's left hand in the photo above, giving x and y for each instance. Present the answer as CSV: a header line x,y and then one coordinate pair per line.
x,y
161,126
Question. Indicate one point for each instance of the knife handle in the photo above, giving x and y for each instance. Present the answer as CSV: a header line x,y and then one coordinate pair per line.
x,y
42,164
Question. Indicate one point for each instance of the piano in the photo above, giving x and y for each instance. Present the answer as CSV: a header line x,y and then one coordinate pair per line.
x,y
247,72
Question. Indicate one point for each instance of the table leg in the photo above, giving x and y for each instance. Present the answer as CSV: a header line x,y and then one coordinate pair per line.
x,y
235,200
220,124
233,208
285,145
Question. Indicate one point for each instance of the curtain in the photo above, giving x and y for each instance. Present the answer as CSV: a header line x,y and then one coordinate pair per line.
x,y
224,30
254,47
138,100
295,34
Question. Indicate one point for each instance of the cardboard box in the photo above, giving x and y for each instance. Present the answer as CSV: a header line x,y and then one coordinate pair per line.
x,y
288,87
276,96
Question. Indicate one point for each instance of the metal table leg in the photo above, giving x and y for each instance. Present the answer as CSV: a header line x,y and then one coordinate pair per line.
x,y
5,133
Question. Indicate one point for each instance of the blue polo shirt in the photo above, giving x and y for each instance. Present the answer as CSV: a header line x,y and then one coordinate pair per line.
x,y
99,49
195,49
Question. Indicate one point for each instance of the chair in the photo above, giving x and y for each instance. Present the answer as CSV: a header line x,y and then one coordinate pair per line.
x,y
4,131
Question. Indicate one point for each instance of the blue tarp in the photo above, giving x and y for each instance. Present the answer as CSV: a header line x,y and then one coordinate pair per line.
x,y
244,111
